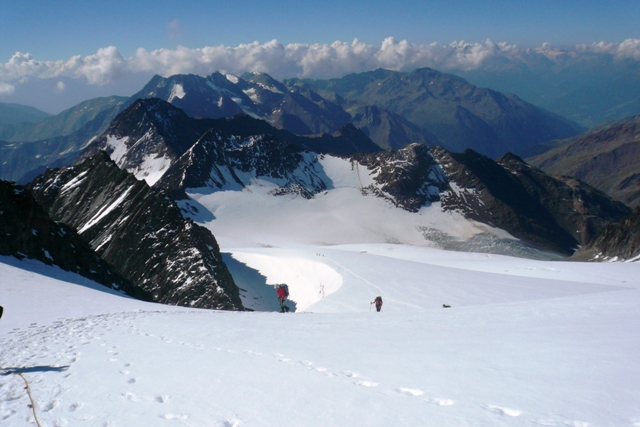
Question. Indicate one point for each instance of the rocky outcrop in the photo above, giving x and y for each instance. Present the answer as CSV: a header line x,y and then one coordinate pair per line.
x,y
140,232
617,242
409,178
27,231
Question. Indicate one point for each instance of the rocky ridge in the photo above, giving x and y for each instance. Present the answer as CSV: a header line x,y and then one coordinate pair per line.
x,y
27,231
140,232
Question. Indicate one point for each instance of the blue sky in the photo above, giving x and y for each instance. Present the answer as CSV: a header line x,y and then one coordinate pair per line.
x,y
51,30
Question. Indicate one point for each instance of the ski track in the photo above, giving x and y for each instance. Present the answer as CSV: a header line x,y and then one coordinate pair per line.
x,y
57,407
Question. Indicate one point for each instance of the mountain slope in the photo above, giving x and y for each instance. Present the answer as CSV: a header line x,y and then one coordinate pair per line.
x,y
459,114
607,157
15,113
140,232
390,130
28,232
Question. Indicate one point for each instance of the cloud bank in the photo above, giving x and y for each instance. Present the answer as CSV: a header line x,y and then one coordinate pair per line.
x,y
292,60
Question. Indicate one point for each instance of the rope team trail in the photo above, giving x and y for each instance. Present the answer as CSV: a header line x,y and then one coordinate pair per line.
x,y
379,289
32,405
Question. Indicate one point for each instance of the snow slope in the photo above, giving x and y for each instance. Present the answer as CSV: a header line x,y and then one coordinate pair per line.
x,y
525,343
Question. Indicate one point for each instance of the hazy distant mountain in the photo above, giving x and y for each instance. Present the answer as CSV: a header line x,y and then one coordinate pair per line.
x,y
65,123
607,157
389,130
16,113
459,114
586,88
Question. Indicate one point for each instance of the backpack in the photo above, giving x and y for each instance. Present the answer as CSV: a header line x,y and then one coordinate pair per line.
x,y
286,290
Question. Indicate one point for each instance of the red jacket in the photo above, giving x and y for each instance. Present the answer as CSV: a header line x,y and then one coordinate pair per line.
x,y
282,293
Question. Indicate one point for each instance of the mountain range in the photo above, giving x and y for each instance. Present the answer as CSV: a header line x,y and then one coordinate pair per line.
x,y
158,143
393,109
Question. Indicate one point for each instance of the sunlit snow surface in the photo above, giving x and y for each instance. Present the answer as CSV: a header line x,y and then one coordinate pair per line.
x,y
525,342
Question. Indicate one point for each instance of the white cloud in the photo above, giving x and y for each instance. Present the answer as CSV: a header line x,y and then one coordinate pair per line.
x,y
107,64
6,89
628,49
60,86
292,60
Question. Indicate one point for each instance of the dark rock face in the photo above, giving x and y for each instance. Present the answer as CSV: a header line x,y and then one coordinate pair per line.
x,y
558,214
620,241
459,114
26,230
140,232
607,157
409,178
220,159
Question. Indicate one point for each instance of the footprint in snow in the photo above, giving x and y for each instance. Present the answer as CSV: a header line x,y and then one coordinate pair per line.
x,y
505,411
132,397
163,398
49,406
132,381
410,391
366,383
174,417
350,374
228,423
439,401
75,406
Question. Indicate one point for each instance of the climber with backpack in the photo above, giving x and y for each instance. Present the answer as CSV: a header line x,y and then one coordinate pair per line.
x,y
378,303
283,294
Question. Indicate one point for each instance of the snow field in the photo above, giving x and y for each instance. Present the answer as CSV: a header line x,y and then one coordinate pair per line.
x,y
553,353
